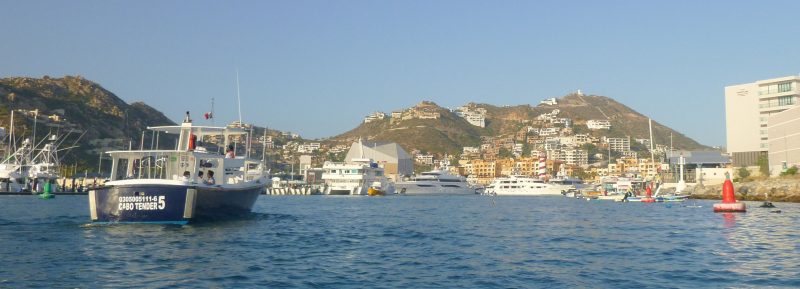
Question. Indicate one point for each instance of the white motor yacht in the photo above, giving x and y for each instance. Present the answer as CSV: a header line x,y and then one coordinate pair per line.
x,y
517,185
436,182
356,177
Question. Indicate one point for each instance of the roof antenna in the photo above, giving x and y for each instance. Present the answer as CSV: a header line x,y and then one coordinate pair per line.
x,y
238,97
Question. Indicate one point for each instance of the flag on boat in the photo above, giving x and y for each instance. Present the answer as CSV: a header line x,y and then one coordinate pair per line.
x,y
208,115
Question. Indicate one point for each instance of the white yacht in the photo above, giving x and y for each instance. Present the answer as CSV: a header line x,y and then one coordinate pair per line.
x,y
357,177
436,182
517,185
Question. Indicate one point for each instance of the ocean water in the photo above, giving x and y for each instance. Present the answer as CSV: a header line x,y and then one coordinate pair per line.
x,y
406,242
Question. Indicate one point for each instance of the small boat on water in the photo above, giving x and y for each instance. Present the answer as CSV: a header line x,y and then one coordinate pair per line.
x,y
165,186
375,190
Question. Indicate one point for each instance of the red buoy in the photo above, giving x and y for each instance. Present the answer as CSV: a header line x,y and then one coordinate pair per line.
x,y
729,203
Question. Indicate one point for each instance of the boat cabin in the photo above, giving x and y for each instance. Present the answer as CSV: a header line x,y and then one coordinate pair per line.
x,y
188,159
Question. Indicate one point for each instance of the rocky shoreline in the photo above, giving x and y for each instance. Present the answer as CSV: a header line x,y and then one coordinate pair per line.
x,y
773,189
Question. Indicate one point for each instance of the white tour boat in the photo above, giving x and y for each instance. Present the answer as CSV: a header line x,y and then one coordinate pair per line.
x,y
164,186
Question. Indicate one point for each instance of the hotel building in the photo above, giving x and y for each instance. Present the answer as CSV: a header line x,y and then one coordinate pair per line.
x,y
748,108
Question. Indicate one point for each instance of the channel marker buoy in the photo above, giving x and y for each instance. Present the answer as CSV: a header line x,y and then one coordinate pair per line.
x,y
729,204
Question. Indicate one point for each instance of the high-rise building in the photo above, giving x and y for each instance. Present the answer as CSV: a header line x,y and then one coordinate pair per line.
x,y
748,107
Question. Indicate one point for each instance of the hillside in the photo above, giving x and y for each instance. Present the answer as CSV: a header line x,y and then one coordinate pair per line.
x,y
450,132
70,106
581,108
447,134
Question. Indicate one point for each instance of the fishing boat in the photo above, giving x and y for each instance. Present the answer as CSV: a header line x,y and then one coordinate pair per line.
x,y
164,186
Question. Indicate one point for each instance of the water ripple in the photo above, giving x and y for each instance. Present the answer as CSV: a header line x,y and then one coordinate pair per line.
x,y
394,242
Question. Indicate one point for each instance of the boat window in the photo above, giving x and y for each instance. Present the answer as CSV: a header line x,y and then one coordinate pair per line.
x,y
450,180
424,186
450,186
379,173
122,169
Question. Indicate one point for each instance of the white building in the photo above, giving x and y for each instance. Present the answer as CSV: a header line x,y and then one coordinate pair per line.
x,y
308,148
424,159
784,141
374,116
619,144
476,117
575,157
748,107
471,150
548,131
598,124
549,101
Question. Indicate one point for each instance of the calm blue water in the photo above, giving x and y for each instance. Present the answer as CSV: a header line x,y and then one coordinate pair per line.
x,y
406,242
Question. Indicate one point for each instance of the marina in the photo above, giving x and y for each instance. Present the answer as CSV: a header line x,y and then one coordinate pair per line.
x,y
398,144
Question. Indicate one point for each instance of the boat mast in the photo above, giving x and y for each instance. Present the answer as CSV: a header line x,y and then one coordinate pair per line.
x,y
652,158
11,140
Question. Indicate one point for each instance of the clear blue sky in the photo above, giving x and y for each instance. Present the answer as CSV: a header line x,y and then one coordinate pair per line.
x,y
318,67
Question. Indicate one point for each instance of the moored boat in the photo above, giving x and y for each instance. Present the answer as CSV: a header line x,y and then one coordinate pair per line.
x,y
356,177
436,182
517,185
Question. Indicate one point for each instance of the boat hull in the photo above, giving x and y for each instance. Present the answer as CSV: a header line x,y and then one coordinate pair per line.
x,y
169,204
425,189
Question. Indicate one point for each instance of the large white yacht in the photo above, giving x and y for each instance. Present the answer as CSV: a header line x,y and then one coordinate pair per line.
x,y
517,185
355,178
436,182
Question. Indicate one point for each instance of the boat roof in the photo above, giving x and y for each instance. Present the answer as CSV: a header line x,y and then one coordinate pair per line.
x,y
138,153
200,130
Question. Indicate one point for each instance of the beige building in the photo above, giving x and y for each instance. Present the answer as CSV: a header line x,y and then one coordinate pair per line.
x,y
784,141
395,161
747,110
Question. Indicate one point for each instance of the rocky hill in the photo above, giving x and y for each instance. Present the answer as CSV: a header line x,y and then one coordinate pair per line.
x,y
581,108
449,132
71,106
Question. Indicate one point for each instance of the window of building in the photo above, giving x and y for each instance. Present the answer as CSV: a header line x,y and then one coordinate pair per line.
x,y
784,87
786,100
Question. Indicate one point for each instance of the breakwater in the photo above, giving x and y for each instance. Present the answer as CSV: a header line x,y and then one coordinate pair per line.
x,y
773,189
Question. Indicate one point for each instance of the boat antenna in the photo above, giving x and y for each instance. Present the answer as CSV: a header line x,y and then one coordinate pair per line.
x,y
238,97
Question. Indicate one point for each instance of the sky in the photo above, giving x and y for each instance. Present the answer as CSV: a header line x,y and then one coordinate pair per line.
x,y
318,67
